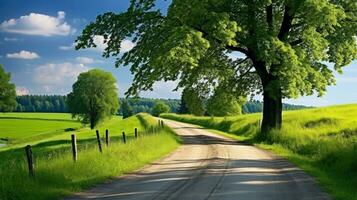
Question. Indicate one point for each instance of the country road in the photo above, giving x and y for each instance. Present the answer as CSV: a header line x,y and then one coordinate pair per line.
x,y
208,166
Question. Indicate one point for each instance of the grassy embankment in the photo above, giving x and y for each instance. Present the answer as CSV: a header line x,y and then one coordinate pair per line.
x,y
322,141
56,174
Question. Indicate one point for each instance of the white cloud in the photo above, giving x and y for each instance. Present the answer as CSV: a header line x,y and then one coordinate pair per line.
x,y
85,60
162,89
61,15
70,47
98,40
13,39
38,24
23,55
126,45
52,76
79,21
236,55
20,91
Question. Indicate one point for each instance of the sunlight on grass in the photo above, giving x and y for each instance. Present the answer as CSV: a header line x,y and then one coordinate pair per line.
x,y
55,172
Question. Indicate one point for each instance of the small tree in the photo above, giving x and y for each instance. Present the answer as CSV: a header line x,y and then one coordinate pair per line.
x,y
7,92
160,107
126,109
94,97
224,104
193,101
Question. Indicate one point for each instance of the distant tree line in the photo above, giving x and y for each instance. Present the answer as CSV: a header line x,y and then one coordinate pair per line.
x,y
255,106
57,103
138,105
41,103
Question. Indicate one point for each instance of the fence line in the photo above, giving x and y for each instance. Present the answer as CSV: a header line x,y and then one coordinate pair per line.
x,y
29,153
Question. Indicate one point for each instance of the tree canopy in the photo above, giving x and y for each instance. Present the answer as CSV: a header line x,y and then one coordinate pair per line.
x,y
126,109
41,103
224,104
7,92
94,97
160,107
193,101
183,107
286,45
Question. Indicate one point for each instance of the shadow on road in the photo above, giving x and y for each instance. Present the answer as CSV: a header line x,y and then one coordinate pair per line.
x,y
214,177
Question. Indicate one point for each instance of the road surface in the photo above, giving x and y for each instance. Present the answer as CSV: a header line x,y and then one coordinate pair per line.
x,y
208,166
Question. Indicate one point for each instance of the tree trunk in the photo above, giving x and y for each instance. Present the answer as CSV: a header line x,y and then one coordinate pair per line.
x,y
272,110
91,121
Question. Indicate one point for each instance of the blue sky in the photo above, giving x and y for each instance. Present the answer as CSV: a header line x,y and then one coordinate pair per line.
x,y
36,46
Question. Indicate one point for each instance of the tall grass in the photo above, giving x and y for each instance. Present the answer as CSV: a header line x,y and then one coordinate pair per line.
x,y
322,141
57,175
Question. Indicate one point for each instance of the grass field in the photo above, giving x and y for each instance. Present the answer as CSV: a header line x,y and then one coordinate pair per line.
x,y
46,116
57,175
18,128
322,141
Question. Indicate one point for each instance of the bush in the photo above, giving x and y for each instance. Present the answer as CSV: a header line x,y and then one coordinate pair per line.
x,y
160,107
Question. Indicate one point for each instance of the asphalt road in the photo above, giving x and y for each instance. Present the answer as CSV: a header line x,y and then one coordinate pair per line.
x,y
208,166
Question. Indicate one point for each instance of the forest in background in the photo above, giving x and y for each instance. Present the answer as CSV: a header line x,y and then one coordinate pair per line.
x,y
57,103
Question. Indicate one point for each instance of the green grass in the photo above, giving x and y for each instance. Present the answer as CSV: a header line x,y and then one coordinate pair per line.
x,y
56,116
16,128
57,175
322,141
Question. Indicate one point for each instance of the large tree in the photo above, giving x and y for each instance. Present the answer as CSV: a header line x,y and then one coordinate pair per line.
x,y
7,92
286,45
94,97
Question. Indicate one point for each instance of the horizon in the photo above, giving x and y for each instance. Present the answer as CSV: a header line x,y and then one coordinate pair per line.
x,y
42,60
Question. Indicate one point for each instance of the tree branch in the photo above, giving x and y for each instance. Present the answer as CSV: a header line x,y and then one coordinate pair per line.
x,y
296,42
232,48
297,25
286,24
269,13
241,61
246,72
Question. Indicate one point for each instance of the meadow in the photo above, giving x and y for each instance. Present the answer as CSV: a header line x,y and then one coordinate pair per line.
x,y
56,175
25,127
38,115
322,141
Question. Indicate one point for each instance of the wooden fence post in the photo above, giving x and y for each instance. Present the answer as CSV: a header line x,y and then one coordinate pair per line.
x,y
124,139
107,139
136,133
99,142
74,147
162,123
30,160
